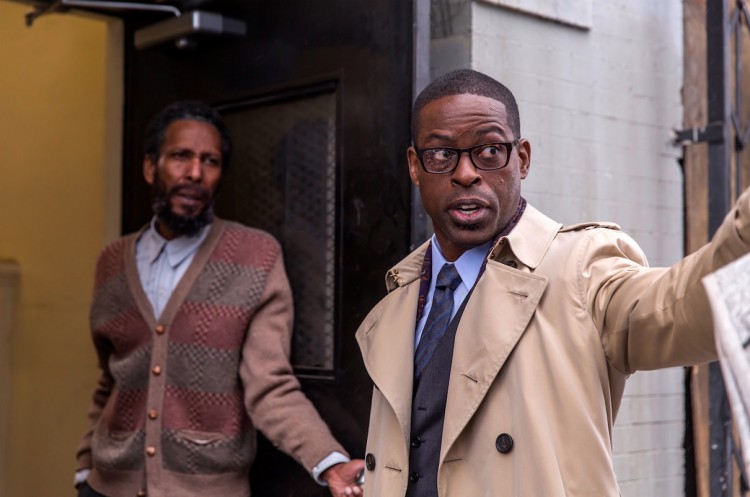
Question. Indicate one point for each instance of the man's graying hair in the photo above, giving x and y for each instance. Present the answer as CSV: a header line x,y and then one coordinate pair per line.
x,y
185,109
465,81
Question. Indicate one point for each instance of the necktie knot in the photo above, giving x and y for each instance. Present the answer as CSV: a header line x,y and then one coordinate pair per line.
x,y
448,277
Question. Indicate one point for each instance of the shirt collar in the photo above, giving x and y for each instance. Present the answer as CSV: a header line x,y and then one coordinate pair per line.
x,y
177,250
468,264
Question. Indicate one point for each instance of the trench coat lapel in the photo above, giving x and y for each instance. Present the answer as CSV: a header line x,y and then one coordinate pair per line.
x,y
496,317
482,345
386,338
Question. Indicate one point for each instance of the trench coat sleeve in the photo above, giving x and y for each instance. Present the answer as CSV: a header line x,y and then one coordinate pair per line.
x,y
273,398
652,318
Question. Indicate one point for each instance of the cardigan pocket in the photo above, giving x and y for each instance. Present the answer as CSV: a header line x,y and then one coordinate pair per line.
x,y
201,437
120,436
207,452
117,449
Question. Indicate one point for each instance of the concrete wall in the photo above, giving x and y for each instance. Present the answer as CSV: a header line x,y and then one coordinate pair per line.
x,y
60,113
599,93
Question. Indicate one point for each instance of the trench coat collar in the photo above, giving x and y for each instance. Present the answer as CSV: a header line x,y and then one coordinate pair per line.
x,y
528,242
530,239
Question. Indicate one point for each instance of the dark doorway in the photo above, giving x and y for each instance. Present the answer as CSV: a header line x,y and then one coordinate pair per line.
x,y
317,98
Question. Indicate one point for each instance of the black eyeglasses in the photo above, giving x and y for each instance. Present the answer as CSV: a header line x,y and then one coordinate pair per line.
x,y
487,157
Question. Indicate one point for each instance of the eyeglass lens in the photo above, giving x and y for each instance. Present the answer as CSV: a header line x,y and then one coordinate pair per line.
x,y
488,156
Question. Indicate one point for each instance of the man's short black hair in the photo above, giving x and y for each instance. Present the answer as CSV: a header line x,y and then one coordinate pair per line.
x,y
177,111
463,81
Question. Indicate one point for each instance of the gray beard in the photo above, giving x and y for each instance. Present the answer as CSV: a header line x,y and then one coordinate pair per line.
x,y
182,225
179,225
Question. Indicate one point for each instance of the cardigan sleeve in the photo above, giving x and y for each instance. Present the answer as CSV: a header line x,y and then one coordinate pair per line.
x,y
273,398
104,385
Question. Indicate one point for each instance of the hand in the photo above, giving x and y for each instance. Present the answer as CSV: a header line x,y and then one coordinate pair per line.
x,y
342,478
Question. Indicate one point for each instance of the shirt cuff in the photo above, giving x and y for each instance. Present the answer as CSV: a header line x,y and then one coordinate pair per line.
x,y
81,476
331,459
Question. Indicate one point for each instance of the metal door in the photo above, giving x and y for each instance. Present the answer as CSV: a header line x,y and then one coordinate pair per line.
x,y
317,98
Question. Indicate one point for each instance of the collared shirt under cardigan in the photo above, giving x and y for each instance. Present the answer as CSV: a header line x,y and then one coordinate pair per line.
x,y
161,265
183,254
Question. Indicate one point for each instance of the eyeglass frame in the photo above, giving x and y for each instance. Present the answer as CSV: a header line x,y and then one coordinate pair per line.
x,y
508,147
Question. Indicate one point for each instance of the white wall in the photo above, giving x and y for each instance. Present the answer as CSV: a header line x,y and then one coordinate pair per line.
x,y
598,106
598,100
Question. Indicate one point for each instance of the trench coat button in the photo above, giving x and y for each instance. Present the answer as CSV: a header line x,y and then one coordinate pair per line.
x,y
414,476
370,461
504,443
160,329
416,442
511,263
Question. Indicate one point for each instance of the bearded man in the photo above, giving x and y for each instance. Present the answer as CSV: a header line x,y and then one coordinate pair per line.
x,y
192,319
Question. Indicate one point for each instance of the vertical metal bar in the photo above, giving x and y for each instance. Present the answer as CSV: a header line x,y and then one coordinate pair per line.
x,y
720,425
719,110
737,30
719,156
420,224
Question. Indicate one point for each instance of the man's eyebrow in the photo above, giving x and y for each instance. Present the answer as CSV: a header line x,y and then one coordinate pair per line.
x,y
494,128
438,136
483,130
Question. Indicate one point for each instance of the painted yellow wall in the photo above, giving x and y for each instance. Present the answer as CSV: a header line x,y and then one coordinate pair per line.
x,y
60,101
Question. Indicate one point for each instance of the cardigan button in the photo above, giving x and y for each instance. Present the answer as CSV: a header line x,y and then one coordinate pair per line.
x,y
151,451
370,461
504,443
160,329
141,493
152,414
416,442
156,370
414,476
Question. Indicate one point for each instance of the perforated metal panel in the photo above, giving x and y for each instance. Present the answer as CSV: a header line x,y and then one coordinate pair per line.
x,y
283,180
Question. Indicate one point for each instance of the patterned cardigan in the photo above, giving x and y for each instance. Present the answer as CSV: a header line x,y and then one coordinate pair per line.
x,y
180,397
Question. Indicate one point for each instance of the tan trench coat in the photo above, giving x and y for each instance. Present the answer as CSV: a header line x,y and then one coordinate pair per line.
x,y
541,354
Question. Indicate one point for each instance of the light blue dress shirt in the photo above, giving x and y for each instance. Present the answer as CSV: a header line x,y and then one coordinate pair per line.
x,y
468,267
162,263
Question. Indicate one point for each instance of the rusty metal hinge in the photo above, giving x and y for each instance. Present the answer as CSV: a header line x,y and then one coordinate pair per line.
x,y
713,132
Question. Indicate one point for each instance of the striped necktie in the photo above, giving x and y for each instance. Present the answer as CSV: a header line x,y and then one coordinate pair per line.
x,y
440,315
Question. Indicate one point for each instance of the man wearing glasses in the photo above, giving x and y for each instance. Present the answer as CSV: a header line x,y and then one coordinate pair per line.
x,y
499,356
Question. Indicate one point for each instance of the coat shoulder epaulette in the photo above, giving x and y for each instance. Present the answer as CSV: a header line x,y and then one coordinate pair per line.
x,y
590,225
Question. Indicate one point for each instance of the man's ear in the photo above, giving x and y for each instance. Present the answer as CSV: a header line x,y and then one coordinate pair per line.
x,y
149,170
414,167
524,154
